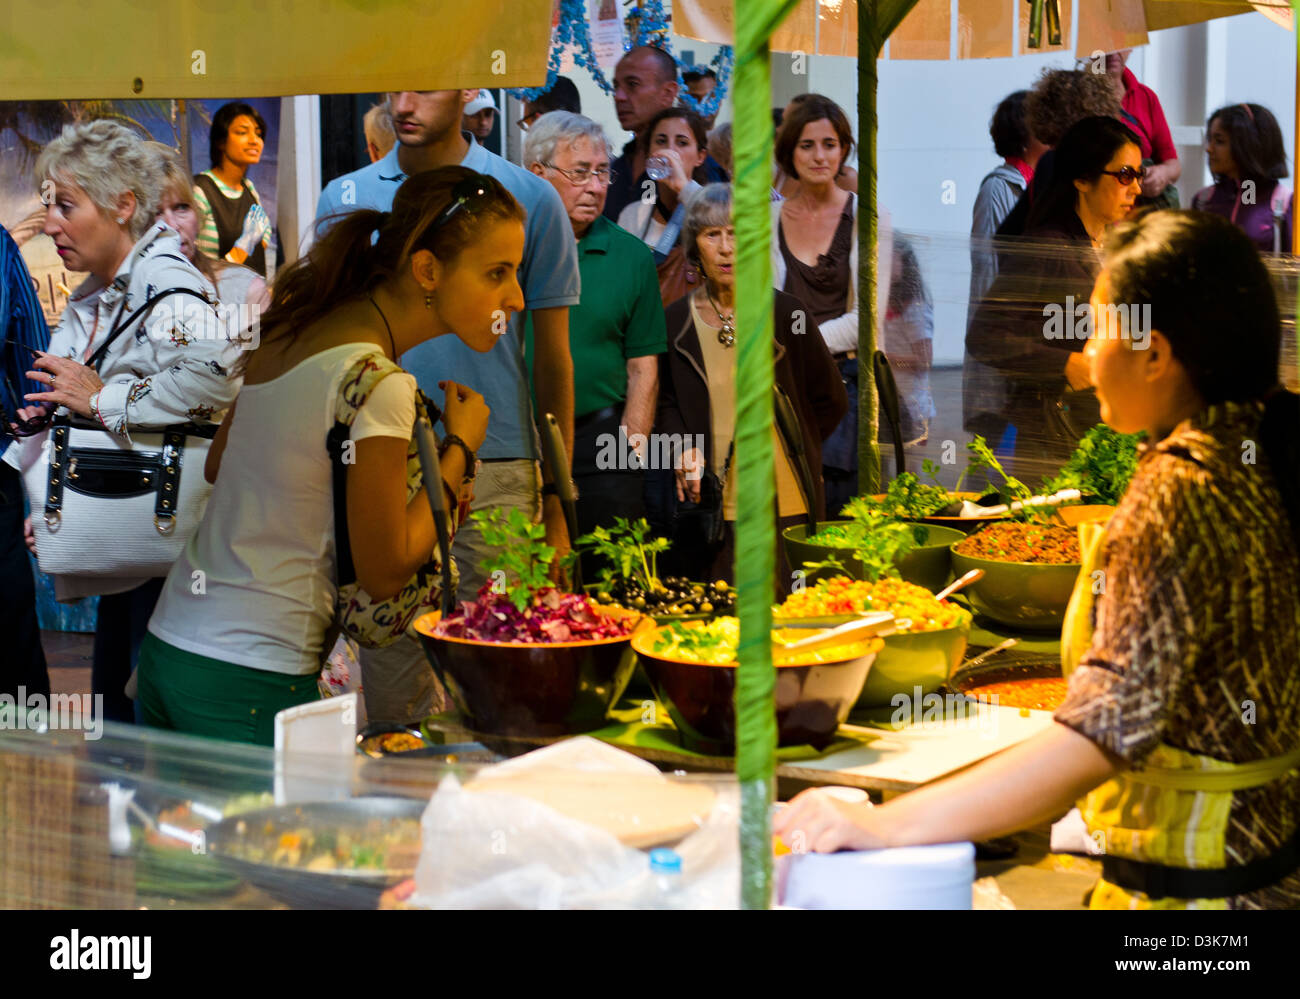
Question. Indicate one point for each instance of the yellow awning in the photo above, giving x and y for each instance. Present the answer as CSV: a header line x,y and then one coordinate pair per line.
x,y
70,49
984,27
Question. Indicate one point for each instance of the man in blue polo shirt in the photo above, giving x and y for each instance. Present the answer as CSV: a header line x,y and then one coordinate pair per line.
x,y
427,125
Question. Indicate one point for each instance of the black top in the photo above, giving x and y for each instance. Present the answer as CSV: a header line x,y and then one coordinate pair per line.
x,y
824,288
229,218
802,366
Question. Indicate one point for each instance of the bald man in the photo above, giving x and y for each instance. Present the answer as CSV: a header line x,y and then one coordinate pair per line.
x,y
645,82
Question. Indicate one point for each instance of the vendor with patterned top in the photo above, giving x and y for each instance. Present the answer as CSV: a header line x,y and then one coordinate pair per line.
x,y
1180,727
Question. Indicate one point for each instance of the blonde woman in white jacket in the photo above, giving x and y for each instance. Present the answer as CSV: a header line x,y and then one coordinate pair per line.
x,y
101,182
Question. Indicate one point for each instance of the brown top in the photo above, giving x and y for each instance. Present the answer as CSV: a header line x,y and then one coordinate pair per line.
x,y
824,289
1196,642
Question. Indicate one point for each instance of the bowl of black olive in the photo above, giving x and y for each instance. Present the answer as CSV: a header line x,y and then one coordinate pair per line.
x,y
672,599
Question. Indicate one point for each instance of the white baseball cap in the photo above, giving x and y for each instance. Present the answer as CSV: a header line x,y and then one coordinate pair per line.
x,y
480,103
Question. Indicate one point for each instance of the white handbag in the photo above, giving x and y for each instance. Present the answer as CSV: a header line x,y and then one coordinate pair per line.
x,y
106,506
103,506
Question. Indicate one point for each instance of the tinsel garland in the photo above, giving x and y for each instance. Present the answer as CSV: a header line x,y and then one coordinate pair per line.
x,y
648,25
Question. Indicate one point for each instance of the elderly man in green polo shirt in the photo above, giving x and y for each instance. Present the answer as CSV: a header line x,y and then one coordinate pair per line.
x,y
615,333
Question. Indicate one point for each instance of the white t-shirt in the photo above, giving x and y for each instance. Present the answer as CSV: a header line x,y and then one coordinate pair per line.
x,y
255,585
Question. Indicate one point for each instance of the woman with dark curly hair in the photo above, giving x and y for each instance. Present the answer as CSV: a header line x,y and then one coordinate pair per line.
x,y
1059,99
1248,160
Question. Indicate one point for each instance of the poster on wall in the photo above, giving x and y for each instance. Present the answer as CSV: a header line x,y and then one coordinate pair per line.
x,y
26,127
606,27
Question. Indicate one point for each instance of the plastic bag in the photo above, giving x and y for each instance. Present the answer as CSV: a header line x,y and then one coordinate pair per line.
x,y
496,849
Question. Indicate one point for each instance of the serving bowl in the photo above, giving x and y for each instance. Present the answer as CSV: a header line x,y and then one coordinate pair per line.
x,y
928,565
1030,596
912,659
524,689
812,700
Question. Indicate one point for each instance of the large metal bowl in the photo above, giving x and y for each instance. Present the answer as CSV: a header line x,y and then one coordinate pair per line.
x,y
514,688
298,887
812,700
1023,595
928,565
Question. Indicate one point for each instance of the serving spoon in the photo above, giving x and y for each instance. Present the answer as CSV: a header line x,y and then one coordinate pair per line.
x,y
974,576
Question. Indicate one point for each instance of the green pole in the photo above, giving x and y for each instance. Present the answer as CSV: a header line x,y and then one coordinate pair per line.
x,y
877,20
869,45
755,534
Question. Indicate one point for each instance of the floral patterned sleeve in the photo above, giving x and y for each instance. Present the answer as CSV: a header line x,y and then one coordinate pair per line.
x,y
1152,615
176,365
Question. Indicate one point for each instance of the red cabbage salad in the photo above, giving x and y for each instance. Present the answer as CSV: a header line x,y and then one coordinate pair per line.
x,y
551,616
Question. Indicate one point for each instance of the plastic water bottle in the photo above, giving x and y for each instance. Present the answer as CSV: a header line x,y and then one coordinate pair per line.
x,y
658,168
666,869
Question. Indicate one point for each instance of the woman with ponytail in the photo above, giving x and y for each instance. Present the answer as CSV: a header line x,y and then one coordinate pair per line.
x,y
242,623
1181,728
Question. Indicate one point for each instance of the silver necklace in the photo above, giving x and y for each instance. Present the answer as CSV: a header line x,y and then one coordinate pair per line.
x,y
726,335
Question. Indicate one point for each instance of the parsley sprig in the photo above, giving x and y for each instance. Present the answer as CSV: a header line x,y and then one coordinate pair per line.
x,y
522,554
627,552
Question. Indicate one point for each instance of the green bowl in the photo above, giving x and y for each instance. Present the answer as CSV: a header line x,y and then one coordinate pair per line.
x,y
1024,595
910,660
928,565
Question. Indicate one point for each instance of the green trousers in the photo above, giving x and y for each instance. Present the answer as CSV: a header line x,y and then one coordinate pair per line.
x,y
190,693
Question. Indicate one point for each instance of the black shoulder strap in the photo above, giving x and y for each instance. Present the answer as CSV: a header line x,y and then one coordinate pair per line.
x,y
122,325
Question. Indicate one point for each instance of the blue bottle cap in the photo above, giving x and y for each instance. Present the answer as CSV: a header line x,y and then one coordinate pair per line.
x,y
665,861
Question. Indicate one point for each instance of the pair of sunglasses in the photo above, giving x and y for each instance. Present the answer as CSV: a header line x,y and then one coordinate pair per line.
x,y
1126,175
11,400
467,194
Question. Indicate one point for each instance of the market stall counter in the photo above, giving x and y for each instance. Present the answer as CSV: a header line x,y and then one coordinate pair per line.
x,y
146,819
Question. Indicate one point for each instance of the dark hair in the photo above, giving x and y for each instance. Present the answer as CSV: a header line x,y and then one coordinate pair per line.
x,y
695,75
221,122
698,129
1081,155
778,114
1009,129
1202,277
1255,139
563,96
665,65
1062,97
804,110
908,285
348,260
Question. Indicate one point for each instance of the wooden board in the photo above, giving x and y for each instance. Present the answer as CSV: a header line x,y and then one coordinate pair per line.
x,y
925,751
640,811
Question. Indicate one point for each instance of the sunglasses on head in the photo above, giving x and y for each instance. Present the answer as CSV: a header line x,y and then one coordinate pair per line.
x,y
1126,175
469,194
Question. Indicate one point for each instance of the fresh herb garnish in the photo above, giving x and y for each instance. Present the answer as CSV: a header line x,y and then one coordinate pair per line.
x,y
521,566
1101,466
